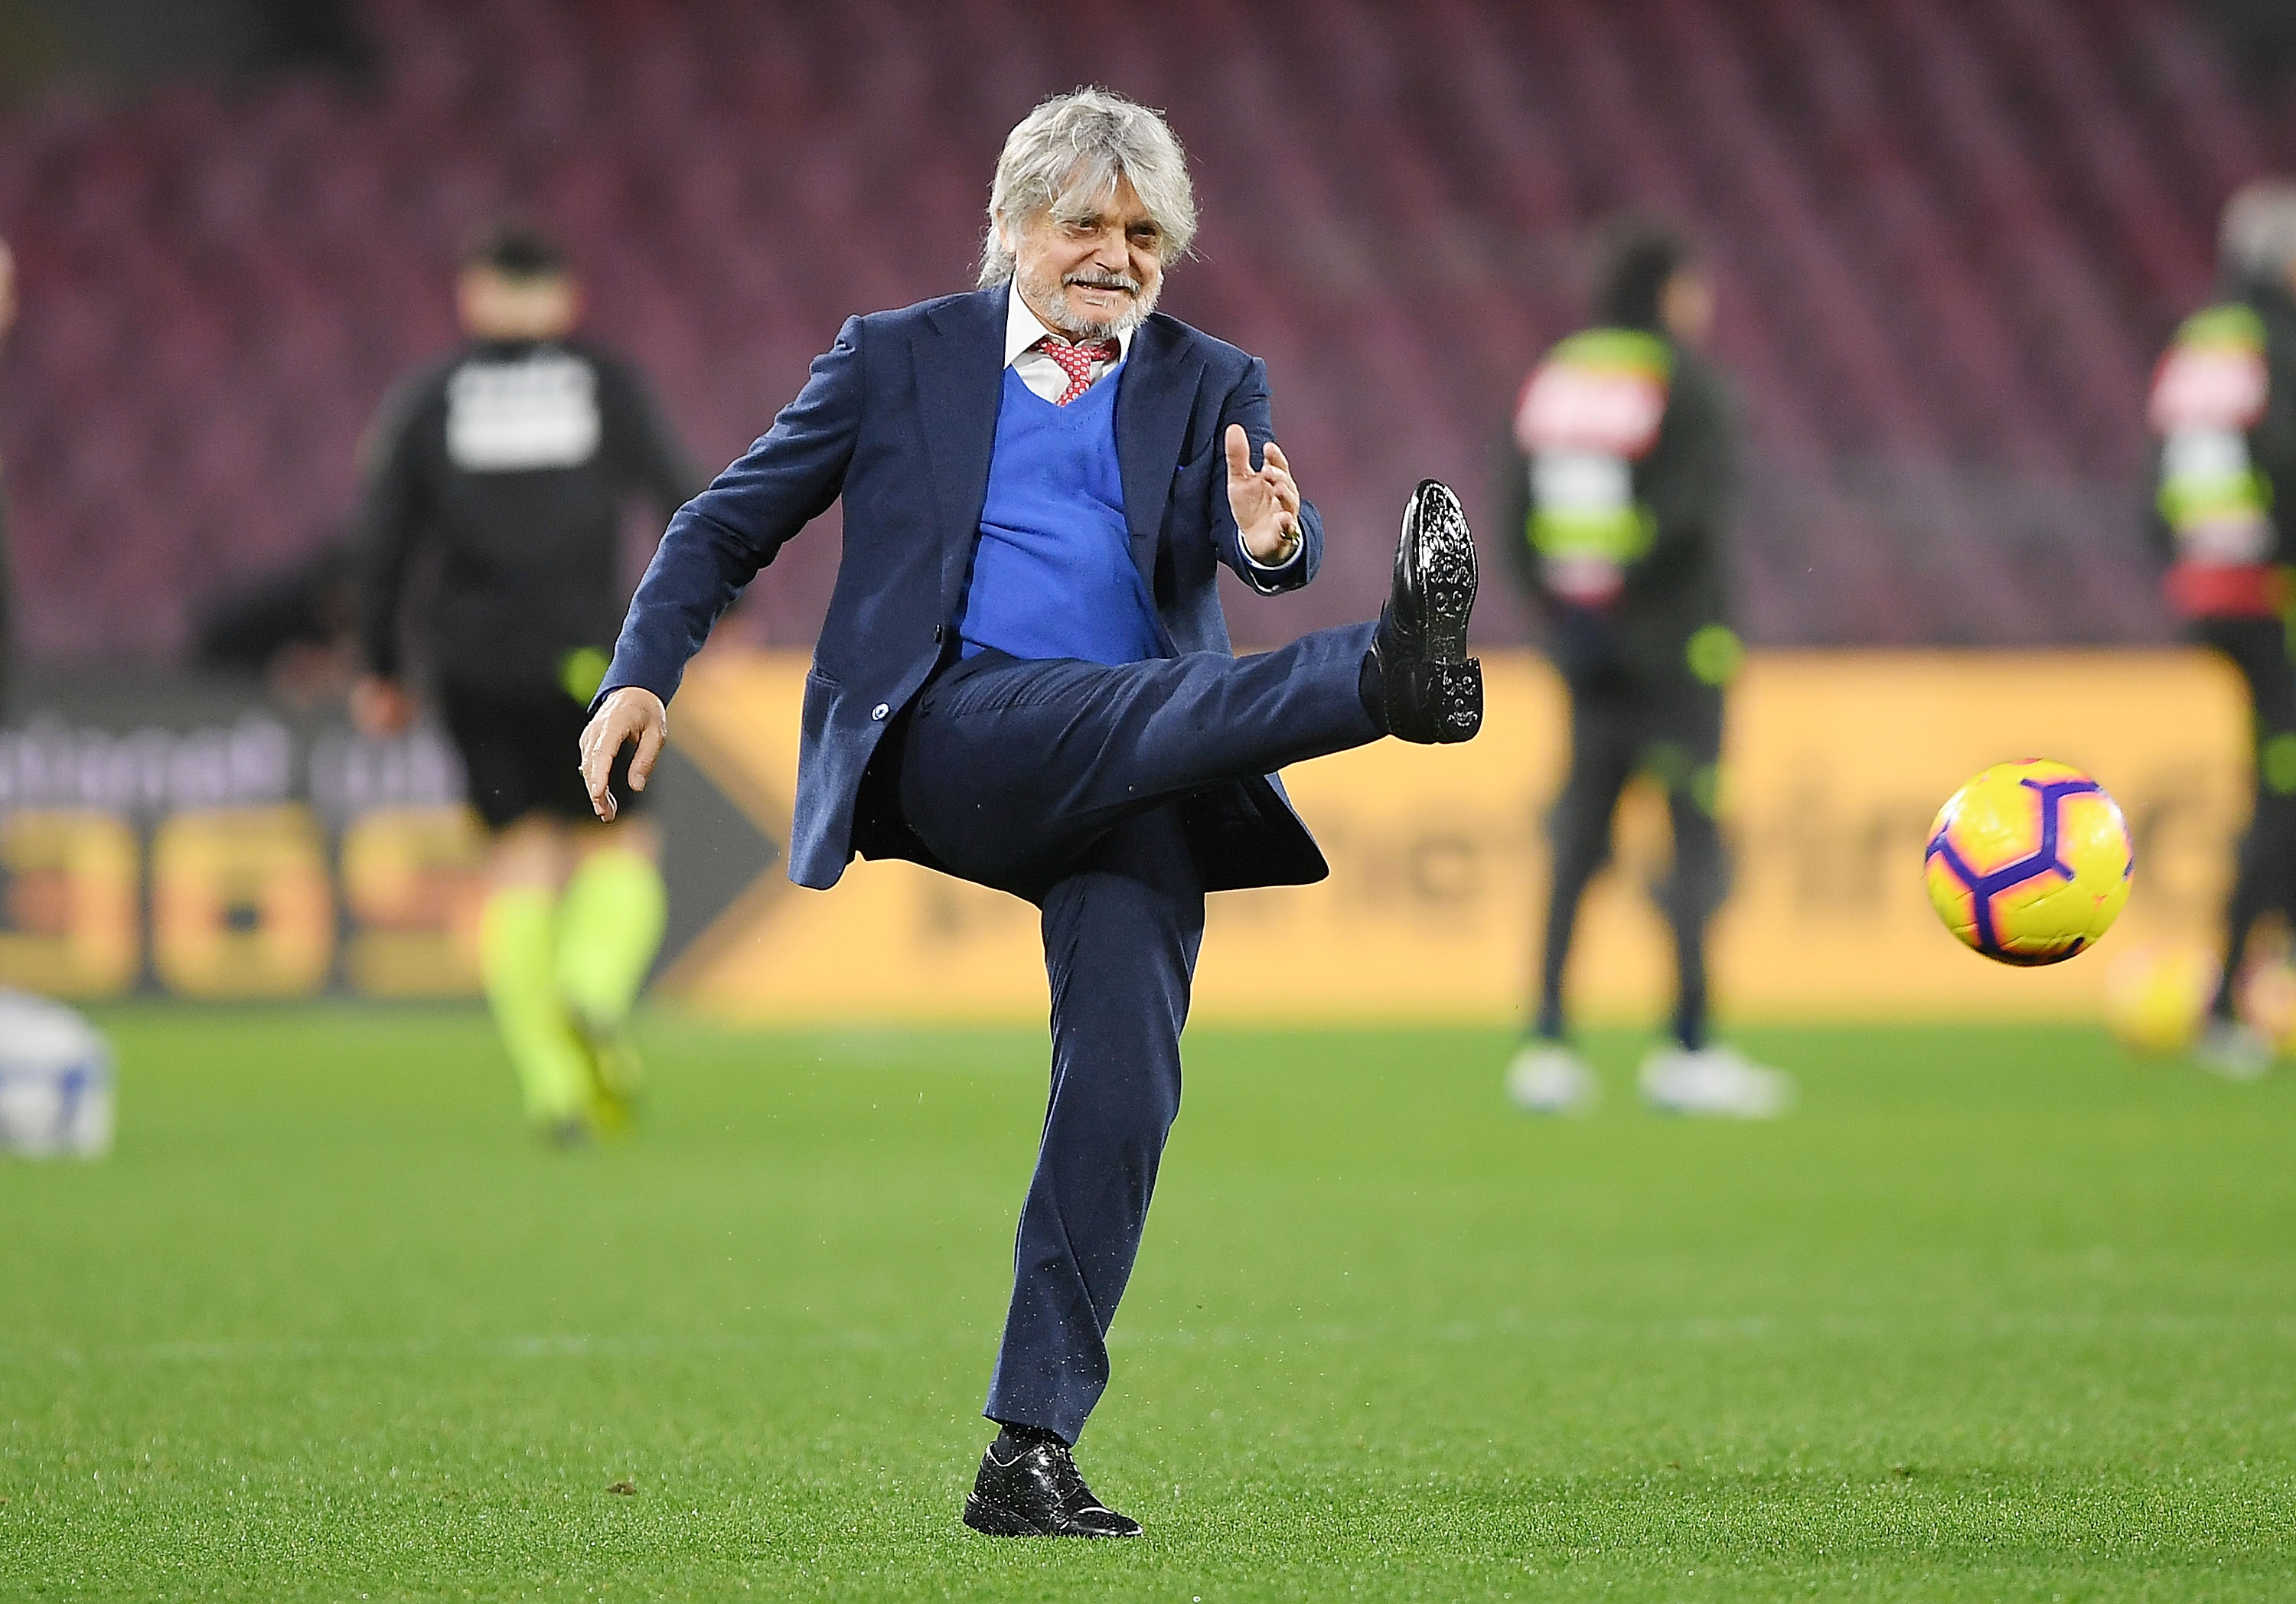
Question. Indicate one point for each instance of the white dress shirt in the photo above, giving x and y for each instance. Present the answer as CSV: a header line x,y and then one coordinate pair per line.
x,y
1024,352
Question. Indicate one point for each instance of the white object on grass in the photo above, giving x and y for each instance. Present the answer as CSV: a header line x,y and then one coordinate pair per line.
x,y
55,1081
2233,1050
1547,1078
1715,1081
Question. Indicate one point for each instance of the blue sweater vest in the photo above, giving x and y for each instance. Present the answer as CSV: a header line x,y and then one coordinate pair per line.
x,y
1053,574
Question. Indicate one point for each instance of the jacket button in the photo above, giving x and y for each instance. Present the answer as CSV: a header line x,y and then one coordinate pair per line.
x,y
881,709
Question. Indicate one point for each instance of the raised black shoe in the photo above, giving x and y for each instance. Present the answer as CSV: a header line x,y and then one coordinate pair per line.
x,y
1035,1492
1418,679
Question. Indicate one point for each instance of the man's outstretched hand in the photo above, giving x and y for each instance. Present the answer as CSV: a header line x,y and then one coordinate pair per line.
x,y
1267,502
629,713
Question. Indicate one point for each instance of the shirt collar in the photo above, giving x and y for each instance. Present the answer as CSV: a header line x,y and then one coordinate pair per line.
x,y
1023,330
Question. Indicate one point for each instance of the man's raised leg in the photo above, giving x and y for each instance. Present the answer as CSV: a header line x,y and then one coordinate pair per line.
x,y
1012,767
1009,766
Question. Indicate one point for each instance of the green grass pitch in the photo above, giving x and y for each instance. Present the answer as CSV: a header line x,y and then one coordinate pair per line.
x,y
1996,1315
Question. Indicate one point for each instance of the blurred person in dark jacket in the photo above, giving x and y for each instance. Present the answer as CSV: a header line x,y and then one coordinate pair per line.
x,y
2224,408
7,578
512,460
1623,481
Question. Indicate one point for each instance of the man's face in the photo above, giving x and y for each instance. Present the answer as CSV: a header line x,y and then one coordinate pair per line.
x,y
7,288
1091,277
495,306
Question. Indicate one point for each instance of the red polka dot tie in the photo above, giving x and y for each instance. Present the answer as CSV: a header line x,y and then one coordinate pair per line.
x,y
1076,361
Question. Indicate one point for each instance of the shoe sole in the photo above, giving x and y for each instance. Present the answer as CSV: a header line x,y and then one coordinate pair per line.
x,y
993,1522
2237,1070
1440,544
1456,691
1445,552
1770,1105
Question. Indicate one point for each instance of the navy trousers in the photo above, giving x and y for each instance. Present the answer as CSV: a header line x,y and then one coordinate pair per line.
x,y
1057,780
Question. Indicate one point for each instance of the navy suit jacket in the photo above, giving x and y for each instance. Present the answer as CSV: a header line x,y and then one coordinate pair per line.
x,y
899,417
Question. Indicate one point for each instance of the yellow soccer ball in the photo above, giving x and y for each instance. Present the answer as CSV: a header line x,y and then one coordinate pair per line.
x,y
2154,997
2029,863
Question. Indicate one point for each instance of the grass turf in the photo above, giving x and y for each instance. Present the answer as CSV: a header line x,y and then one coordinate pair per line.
x,y
1997,1314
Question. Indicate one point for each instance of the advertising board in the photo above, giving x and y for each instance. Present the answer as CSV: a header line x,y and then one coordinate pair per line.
x,y
191,841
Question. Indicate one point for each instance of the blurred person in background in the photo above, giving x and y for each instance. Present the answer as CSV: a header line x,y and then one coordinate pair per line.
x,y
1025,680
512,460
7,578
1623,475
2223,407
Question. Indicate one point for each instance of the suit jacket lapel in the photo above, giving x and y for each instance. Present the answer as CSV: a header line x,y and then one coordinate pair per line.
x,y
960,382
1158,386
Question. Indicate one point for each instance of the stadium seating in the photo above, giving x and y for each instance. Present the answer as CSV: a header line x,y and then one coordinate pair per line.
x,y
1950,235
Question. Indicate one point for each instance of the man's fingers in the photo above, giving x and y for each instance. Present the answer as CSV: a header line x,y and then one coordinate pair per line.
x,y
1276,469
1239,452
649,749
629,715
1280,486
601,742
595,770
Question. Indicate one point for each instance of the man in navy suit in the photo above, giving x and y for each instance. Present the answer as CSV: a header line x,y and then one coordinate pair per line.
x,y
1024,679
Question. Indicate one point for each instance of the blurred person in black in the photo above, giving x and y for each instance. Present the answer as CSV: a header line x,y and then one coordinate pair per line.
x,y
2223,407
512,460
1623,477
7,580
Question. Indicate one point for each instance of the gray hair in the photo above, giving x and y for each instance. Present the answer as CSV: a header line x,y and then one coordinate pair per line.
x,y
2258,240
1066,156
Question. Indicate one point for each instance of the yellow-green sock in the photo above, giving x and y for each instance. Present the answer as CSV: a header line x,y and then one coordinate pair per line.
x,y
609,927
517,956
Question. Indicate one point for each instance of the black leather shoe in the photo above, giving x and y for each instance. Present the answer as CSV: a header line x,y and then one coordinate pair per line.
x,y
1418,679
1038,1493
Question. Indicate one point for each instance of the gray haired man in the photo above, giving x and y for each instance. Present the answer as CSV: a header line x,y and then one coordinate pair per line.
x,y
1024,680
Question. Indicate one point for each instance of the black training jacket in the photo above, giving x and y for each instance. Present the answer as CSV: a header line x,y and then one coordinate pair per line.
x,y
1658,418
513,461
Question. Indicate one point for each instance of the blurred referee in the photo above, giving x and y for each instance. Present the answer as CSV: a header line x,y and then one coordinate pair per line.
x,y
510,462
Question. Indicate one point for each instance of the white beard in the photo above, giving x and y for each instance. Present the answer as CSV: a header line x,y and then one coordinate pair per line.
x,y
1045,295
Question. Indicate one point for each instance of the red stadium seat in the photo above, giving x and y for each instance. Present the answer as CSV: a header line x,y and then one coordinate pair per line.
x,y
1949,236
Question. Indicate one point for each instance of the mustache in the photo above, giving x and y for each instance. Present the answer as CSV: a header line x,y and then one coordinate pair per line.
x,y
1104,280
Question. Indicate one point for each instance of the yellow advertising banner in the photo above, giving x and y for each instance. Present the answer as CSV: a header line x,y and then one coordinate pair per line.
x,y
1836,763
